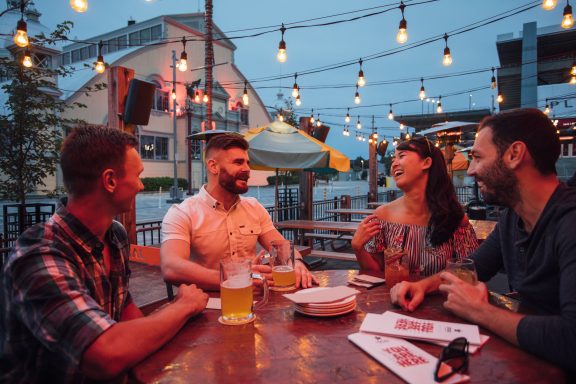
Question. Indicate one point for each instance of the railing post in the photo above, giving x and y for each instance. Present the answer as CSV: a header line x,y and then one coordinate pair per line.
x,y
345,203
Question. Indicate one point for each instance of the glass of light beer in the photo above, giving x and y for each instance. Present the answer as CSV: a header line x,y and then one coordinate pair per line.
x,y
282,263
236,291
395,266
463,269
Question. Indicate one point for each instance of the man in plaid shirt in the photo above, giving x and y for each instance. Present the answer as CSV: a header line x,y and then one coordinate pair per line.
x,y
66,315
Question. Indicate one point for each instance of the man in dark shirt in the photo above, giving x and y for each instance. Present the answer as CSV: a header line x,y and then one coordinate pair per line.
x,y
65,311
513,160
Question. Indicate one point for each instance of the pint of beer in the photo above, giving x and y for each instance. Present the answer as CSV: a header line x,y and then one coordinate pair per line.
x,y
282,262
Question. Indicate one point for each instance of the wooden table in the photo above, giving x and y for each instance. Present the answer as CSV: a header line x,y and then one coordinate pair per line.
x,y
351,211
282,346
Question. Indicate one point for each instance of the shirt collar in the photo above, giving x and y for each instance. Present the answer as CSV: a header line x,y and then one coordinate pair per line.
x,y
211,201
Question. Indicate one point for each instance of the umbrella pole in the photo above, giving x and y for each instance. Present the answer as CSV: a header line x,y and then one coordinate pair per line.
x,y
276,199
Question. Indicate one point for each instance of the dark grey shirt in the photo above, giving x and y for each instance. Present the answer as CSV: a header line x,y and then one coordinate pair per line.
x,y
541,266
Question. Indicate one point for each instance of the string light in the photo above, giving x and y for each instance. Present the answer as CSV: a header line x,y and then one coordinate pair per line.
x,y
298,101
493,79
245,98
439,106
370,140
357,99
183,64
27,59
437,144
567,20
21,35
395,142
79,6
347,117
549,4
572,80
280,116
573,70
99,65
318,122
361,80
346,132
295,87
499,98
401,126
205,97
197,97
407,137
547,108
447,56
282,47
402,35
422,94
173,94
312,116
358,124
390,114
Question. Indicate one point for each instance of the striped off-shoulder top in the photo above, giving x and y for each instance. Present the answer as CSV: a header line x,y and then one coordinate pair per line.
x,y
423,257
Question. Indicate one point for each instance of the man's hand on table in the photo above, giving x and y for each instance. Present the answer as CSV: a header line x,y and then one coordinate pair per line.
x,y
192,298
465,300
408,295
304,278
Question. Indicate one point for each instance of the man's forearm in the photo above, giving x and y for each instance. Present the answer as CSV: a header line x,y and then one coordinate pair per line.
x,y
500,321
179,271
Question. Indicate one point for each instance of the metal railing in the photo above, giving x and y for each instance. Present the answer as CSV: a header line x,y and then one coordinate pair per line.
x,y
148,231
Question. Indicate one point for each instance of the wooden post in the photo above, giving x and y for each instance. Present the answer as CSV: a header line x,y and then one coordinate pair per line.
x,y
345,203
118,82
306,182
372,172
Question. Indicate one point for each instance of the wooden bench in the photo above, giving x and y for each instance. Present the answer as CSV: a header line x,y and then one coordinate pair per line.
x,y
333,255
328,236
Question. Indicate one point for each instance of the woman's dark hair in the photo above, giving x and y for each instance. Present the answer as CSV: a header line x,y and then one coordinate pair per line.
x,y
447,213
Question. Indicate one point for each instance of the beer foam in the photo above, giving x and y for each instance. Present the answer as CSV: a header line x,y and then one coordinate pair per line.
x,y
283,268
237,282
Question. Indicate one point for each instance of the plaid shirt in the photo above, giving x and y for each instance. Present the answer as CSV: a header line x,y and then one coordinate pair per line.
x,y
56,298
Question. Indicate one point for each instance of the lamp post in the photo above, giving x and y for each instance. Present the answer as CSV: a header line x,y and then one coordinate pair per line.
x,y
362,168
174,198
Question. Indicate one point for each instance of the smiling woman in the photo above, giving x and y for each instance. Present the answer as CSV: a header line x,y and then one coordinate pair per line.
x,y
427,222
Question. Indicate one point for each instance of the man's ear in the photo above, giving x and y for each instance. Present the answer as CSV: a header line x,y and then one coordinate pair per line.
x,y
212,166
109,179
515,154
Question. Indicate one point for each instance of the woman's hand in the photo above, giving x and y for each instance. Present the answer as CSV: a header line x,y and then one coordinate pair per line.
x,y
367,229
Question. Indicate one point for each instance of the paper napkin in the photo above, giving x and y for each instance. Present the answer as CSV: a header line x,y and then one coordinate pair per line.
x,y
398,325
369,279
406,360
324,296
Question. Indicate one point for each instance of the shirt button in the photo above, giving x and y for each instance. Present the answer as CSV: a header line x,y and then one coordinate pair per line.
x,y
230,233
233,252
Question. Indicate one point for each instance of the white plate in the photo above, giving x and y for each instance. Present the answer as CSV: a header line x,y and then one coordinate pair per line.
x,y
335,305
327,310
336,313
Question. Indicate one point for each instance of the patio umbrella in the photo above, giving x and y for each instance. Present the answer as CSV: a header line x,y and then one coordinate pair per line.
x,y
279,146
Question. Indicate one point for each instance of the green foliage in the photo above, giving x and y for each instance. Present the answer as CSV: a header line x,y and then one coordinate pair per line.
x,y
289,177
356,164
31,125
289,114
153,184
387,161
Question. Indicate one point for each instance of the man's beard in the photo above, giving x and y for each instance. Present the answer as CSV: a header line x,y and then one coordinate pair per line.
x,y
500,185
228,182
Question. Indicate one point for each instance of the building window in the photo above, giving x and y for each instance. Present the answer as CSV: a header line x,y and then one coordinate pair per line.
x,y
567,150
156,32
122,42
195,148
112,45
244,116
75,55
66,58
145,36
153,147
85,53
134,39
161,100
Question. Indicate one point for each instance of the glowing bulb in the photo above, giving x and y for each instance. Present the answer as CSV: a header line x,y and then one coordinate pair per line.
x,y
375,135
401,126
281,117
493,82
439,108
402,35
357,98
437,144
407,136
567,20
447,57
549,4
79,6
183,65
173,94
99,65
499,98
422,94
245,99
205,97
282,52
27,60
547,109
298,101
572,80
197,97
347,118
312,119
573,70
21,36
361,79
358,124
370,140
390,115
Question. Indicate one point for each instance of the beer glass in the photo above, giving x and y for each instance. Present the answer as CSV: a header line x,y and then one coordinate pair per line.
x,y
463,269
395,266
236,293
282,263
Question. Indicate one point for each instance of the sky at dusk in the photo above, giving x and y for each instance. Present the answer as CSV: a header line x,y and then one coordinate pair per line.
x,y
331,92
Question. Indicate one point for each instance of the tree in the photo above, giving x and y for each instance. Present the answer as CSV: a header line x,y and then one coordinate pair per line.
x,y
32,122
290,116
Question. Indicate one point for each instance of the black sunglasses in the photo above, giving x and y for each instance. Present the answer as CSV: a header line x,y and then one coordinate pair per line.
x,y
455,357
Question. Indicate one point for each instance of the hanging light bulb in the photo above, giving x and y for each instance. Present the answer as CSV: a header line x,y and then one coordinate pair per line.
x,y
499,98
447,60
318,122
245,98
99,65
173,94
298,101
572,80
401,126
79,6
573,70
568,19
357,99
295,87
358,124
375,134
439,106
407,137
549,4
347,118
205,97
402,35
312,116
183,64
361,80
437,144
390,114
547,108
395,142
282,47
197,97
21,35
493,80
27,59
280,117
422,93
370,140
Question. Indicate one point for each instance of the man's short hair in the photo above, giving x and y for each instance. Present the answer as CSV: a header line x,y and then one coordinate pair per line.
x,y
533,128
226,141
87,151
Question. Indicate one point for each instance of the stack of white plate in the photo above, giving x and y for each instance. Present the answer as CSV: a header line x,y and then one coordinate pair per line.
x,y
335,308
